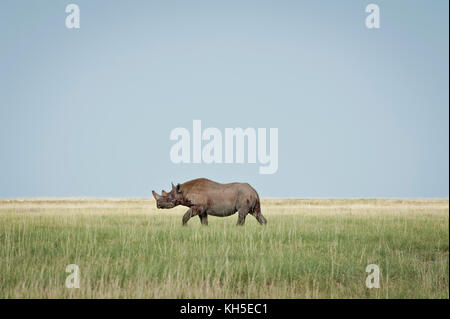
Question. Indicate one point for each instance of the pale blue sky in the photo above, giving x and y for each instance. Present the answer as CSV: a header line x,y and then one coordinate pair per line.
x,y
360,113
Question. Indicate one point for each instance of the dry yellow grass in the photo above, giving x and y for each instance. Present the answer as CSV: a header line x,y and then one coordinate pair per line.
x,y
311,248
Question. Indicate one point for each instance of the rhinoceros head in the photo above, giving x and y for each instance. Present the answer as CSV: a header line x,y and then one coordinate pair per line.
x,y
169,200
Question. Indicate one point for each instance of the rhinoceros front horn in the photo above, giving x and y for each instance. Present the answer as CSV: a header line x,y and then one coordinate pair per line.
x,y
155,195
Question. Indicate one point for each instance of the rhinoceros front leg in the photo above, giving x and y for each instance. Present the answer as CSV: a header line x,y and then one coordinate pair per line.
x,y
195,211
187,216
203,219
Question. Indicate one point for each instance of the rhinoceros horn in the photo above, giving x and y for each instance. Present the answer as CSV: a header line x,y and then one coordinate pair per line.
x,y
155,195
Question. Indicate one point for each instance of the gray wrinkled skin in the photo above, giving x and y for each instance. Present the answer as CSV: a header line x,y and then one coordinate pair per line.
x,y
205,197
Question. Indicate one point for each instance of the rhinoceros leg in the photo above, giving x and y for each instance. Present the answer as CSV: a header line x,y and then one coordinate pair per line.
x,y
187,216
256,212
203,219
260,218
242,214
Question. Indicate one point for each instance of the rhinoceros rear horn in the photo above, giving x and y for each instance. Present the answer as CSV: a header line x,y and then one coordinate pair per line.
x,y
155,195
163,193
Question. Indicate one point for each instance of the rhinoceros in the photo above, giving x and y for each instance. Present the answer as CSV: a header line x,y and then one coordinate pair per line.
x,y
205,197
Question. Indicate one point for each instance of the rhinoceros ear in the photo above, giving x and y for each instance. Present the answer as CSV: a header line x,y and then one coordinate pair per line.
x,y
178,188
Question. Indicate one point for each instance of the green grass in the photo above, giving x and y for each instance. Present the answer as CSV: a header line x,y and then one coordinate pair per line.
x,y
309,249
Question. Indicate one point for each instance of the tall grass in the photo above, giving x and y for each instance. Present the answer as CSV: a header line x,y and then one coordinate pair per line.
x,y
309,249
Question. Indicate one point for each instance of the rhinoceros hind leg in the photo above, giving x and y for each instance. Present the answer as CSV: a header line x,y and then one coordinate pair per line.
x,y
261,219
242,214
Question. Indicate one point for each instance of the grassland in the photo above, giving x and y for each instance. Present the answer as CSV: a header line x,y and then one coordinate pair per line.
x,y
309,249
